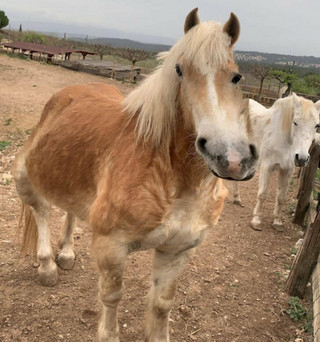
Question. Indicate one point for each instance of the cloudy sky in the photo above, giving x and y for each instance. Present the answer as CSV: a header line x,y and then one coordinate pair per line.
x,y
280,26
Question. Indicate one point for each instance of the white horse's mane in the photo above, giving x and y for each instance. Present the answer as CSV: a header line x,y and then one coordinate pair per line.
x,y
206,46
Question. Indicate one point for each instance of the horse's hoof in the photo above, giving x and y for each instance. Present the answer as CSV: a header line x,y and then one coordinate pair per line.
x,y
256,226
66,262
278,226
238,202
49,278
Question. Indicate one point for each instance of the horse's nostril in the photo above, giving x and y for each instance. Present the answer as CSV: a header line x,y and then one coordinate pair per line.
x,y
201,143
253,151
297,156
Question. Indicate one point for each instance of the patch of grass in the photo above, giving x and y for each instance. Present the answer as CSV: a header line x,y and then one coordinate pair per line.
x,y
20,132
28,131
18,55
294,250
318,174
4,144
287,267
315,194
8,122
291,208
298,313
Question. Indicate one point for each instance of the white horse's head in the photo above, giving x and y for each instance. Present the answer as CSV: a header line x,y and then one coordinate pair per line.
x,y
210,96
305,121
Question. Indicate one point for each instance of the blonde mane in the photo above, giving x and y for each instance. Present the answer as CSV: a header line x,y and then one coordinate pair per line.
x,y
206,46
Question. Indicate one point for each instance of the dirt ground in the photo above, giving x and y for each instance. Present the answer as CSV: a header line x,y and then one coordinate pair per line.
x,y
233,291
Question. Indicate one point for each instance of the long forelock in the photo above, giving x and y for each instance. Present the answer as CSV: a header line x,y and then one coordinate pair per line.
x,y
206,47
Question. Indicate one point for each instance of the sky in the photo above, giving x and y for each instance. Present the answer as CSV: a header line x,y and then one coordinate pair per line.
x,y
275,26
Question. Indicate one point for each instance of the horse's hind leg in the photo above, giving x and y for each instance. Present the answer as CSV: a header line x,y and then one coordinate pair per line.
x,y
36,212
110,254
66,255
264,181
283,180
166,270
236,194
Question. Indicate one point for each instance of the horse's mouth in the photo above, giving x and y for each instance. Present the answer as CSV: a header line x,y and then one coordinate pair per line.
x,y
233,179
299,163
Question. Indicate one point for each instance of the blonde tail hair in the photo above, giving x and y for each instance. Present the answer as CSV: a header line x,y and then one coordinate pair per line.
x,y
30,230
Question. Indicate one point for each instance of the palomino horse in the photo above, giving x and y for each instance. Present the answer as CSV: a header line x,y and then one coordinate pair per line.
x,y
143,171
284,134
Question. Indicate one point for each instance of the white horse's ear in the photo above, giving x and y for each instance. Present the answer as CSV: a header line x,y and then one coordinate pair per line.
x,y
317,105
192,20
296,101
232,28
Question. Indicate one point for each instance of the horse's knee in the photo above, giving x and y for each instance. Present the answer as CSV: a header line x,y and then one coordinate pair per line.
x,y
161,307
110,299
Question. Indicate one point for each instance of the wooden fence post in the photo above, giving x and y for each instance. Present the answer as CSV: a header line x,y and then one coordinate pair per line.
x,y
305,261
306,185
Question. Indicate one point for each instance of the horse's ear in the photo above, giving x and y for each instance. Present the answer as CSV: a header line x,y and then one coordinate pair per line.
x,y
232,28
296,101
192,20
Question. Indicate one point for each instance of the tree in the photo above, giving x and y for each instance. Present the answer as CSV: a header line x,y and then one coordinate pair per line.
x,y
284,77
20,28
34,37
313,81
103,50
4,21
260,72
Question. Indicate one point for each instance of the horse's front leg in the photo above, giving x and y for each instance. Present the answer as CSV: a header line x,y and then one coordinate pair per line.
x,y
66,244
264,181
236,194
167,268
110,255
283,180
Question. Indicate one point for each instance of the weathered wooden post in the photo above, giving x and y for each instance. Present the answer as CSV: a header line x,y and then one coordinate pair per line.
x,y
305,261
113,69
306,185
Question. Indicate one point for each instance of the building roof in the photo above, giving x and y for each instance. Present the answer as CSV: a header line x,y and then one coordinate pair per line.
x,y
49,50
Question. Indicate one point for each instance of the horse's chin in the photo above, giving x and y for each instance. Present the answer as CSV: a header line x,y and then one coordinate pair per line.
x,y
300,164
234,179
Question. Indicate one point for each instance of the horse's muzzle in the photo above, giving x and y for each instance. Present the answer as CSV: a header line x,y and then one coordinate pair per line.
x,y
229,163
301,160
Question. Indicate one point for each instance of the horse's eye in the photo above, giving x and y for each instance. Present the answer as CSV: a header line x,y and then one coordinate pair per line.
x,y
178,70
236,78
317,126
295,123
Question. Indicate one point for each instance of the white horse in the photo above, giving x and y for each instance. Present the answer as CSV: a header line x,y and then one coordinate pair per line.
x,y
283,134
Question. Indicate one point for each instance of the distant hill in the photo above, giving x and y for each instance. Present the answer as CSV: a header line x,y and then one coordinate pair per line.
x,y
278,59
241,56
126,43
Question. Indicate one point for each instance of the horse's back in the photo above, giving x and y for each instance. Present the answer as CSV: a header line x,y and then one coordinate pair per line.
x,y
63,156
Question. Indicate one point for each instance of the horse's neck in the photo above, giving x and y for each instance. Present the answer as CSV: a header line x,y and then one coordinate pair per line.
x,y
185,160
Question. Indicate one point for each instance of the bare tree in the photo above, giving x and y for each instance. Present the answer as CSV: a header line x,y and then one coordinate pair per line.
x,y
260,72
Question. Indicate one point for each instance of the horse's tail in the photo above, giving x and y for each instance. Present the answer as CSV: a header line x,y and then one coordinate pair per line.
x,y
30,230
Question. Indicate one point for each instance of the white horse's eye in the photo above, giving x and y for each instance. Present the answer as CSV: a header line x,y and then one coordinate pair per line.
x,y
236,78
295,123
317,126
178,70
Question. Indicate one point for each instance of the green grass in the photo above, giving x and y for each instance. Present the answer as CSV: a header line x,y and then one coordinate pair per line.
x,y
4,144
291,208
298,313
8,122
